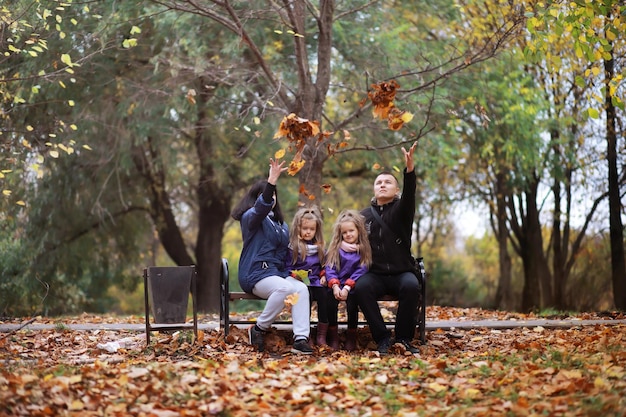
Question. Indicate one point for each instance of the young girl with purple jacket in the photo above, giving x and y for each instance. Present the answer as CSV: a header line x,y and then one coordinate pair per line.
x,y
349,256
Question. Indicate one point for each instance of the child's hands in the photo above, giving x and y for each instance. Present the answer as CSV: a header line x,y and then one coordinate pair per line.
x,y
337,292
323,281
344,293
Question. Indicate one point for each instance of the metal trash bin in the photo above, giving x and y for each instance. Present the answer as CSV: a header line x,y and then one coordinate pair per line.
x,y
167,297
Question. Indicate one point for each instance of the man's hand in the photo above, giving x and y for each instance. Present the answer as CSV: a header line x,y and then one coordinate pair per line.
x,y
408,157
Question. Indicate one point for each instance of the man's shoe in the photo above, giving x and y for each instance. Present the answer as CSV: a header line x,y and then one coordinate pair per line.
x,y
407,346
255,336
301,346
383,346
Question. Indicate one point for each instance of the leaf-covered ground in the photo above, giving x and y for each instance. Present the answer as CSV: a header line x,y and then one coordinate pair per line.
x,y
578,371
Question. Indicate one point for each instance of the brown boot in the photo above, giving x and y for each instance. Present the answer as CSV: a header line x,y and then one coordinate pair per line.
x,y
322,329
333,337
351,340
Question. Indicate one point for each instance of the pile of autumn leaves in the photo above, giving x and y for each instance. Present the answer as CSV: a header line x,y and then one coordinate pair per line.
x,y
578,371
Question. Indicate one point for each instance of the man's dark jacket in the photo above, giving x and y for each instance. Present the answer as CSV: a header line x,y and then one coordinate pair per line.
x,y
391,253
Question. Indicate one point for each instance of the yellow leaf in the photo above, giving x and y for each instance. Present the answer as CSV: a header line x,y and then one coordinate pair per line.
x,y
292,299
54,154
295,167
437,387
600,383
610,35
571,374
256,121
279,154
77,405
20,203
87,147
6,192
66,59
73,127
406,117
471,393
134,30
29,128
71,103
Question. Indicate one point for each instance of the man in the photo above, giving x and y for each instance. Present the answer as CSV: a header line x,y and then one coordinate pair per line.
x,y
392,270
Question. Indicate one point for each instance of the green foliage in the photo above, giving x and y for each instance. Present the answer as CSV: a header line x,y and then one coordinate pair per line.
x,y
449,285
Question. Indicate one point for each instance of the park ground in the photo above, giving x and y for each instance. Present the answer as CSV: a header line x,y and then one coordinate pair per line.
x,y
106,369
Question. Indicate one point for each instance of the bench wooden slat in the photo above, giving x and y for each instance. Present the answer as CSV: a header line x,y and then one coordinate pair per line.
x,y
234,296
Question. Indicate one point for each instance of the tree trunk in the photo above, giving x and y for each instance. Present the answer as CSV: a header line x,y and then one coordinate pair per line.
x,y
537,259
213,213
537,292
559,246
503,299
616,228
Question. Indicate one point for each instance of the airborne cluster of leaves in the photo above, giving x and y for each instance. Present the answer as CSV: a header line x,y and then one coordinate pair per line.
x,y
578,371
382,96
297,131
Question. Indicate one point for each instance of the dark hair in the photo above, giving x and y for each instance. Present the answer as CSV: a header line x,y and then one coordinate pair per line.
x,y
388,173
250,198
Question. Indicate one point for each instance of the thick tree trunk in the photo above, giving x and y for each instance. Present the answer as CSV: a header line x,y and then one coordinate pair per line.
x,y
616,231
213,213
503,299
537,292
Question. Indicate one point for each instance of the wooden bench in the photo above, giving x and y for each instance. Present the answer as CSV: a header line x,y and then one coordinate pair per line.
x,y
227,297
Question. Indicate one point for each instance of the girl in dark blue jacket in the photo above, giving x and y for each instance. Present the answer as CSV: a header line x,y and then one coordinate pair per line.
x,y
262,269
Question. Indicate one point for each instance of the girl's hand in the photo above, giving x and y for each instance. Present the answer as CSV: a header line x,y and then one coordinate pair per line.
x,y
337,292
344,293
276,168
408,157
323,281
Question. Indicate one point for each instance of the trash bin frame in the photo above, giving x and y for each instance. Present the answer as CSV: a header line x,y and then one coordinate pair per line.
x,y
154,327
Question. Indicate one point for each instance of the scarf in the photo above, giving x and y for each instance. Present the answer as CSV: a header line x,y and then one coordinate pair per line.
x,y
311,249
349,247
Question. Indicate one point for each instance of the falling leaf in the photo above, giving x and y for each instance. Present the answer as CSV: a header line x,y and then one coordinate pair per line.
x,y
191,96
291,299
396,118
295,167
326,188
279,154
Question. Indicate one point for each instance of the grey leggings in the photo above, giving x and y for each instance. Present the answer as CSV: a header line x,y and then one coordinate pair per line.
x,y
274,289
